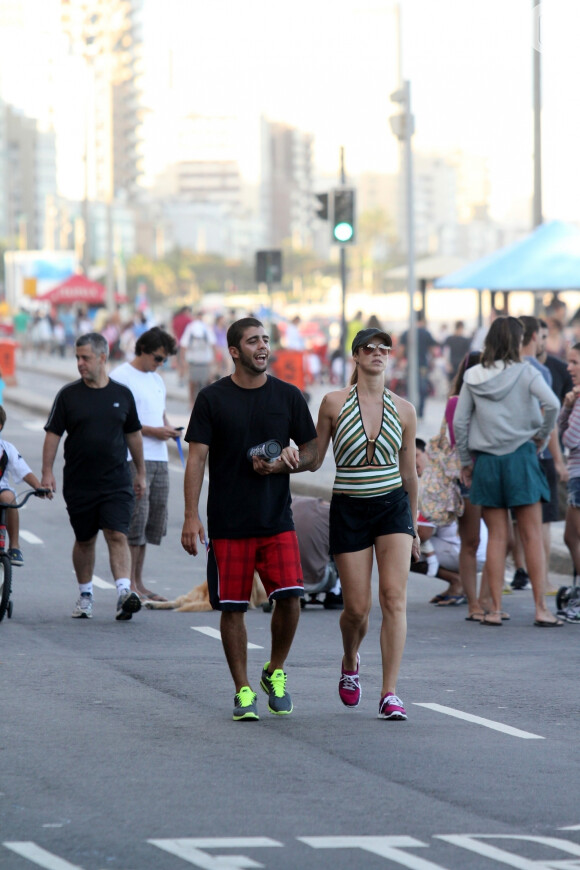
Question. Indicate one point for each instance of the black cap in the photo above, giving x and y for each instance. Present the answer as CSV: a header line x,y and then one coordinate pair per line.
x,y
365,336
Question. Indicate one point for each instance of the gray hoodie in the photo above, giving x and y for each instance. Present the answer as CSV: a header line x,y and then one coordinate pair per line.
x,y
502,407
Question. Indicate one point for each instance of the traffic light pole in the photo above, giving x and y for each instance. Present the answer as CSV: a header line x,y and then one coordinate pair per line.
x,y
344,349
412,355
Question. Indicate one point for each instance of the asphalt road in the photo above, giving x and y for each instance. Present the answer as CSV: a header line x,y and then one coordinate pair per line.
x,y
117,747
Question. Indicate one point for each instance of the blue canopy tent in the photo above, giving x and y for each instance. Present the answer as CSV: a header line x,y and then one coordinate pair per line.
x,y
547,259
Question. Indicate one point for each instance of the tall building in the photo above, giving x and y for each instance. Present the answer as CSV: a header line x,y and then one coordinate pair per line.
x,y
287,192
200,201
27,178
108,34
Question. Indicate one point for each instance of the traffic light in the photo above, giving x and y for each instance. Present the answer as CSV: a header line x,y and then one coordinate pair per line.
x,y
269,267
343,216
322,209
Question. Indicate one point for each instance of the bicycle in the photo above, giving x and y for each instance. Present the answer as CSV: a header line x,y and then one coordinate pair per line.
x,y
5,565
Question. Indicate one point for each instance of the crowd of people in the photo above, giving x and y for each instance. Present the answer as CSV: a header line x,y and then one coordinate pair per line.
x,y
511,416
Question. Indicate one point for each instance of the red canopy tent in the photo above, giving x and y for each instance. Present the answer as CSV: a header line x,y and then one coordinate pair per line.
x,y
78,288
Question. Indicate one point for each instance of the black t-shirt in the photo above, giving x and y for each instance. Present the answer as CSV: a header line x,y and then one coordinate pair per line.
x,y
561,379
425,342
458,346
95,449
230,420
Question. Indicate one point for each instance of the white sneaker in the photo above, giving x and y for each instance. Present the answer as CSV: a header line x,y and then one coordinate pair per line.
x,y
84,607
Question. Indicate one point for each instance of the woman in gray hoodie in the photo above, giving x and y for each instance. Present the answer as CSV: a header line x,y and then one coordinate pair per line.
x,y
504,416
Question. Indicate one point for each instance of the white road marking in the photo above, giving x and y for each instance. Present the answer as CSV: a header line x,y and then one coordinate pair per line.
x,y
190,850
387,847
102,584
33,425
214,632
473,843
570,828
478,720
41,857
29,537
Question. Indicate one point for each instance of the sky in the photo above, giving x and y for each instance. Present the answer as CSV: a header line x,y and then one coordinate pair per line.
x,y
329,66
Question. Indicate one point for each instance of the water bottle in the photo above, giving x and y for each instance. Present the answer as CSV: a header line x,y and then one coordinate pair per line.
x,y
269,450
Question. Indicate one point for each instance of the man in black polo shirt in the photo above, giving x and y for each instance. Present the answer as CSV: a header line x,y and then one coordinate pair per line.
x,y
101,422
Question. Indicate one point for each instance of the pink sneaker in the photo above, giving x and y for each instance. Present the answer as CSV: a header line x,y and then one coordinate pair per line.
x,y
349,688
391,707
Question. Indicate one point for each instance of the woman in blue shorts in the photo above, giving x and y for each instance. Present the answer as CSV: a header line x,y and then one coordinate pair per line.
x,y
373,508
504,416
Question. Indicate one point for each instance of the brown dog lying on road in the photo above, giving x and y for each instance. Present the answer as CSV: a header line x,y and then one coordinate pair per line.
x,y
197,600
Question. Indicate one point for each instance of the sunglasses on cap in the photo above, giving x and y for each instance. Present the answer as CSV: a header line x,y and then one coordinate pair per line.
x,y
370,348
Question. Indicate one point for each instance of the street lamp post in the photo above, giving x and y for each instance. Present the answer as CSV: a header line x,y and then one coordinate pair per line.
x,y
403,126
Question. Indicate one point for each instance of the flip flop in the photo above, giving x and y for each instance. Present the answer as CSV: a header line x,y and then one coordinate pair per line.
x,y
451,601
437,598
153,596
545,623
473,617
485,621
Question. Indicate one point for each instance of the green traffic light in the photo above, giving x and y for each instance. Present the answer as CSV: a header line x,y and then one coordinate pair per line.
x,y
343,232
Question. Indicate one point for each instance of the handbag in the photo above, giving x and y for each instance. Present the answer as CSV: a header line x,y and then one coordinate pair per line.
x,y
440,497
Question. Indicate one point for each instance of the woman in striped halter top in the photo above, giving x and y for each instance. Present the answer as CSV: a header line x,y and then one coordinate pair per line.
x,y
373,509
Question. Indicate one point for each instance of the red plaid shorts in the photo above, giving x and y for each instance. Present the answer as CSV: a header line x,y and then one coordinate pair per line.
x,y
231,564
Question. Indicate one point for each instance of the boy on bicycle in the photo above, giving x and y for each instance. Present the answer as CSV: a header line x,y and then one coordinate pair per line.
x,y
13,469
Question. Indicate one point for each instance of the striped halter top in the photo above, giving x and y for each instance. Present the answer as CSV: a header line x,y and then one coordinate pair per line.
x,y
360,471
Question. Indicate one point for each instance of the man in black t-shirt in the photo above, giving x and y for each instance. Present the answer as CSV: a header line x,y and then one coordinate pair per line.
x,y
101,422
425,343
455,347
250,525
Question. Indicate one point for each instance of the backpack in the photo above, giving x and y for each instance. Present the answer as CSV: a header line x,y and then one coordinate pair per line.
x,y
198,347
440,498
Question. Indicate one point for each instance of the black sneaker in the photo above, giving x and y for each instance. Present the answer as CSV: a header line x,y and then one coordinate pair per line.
x,y
521,579
128,603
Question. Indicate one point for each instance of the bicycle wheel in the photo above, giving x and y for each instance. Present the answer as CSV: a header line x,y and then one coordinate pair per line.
x,y
5,584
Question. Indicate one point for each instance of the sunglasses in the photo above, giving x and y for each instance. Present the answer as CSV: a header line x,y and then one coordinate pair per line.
x,y
370,348
158,358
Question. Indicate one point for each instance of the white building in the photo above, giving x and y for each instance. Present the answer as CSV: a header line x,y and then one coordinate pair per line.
x,y
287,190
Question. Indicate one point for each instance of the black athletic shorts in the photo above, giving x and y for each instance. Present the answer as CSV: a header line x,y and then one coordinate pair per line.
x,y
550,509
355,523
113,511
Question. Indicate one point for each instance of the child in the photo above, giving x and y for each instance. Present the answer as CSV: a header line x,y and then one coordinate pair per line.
x,y
13,467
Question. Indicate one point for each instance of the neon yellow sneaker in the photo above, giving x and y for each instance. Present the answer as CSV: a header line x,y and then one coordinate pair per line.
x,y
279,700
245,707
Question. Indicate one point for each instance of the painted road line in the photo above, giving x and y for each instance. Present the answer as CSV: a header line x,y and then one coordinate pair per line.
x,y
102,584
193,850
570,828
41,857
29,537
392,848
478,720
473,843
214,632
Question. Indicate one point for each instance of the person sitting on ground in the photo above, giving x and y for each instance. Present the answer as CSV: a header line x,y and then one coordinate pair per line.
x,y
312,520
13,469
